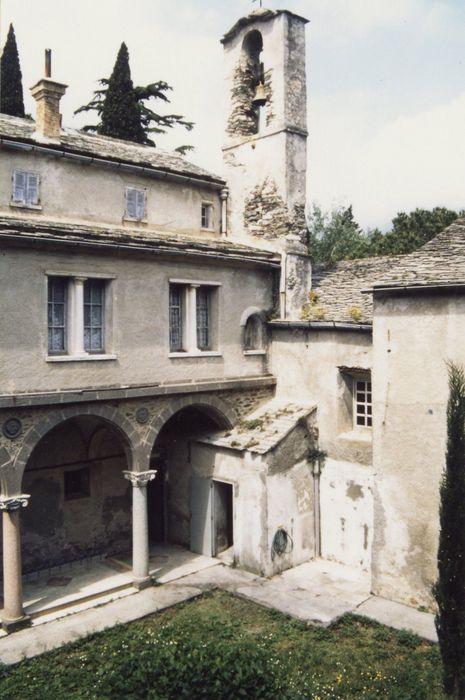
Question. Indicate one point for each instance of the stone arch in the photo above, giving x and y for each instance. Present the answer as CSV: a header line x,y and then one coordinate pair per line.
x,y
5,468
211,404
109,415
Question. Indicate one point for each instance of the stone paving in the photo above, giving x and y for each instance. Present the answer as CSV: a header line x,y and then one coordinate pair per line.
x,y
317,592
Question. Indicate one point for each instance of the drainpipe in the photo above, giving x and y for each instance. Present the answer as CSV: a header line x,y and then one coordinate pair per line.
x,y
224,211
317,461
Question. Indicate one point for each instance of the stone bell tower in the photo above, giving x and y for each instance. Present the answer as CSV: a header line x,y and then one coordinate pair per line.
x,y
265,148
265,151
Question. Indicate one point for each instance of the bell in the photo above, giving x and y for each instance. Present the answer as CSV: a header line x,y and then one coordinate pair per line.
x,y
260,96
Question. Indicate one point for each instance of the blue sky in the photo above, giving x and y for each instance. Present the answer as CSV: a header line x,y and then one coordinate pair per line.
x,y
386,85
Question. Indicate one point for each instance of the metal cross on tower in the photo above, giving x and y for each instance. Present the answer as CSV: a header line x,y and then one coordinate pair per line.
x,y
259,1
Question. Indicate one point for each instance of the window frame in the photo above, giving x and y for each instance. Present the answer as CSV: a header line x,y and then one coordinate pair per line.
x,y
362,406
75,345
25,201
191,325
206,216
140,209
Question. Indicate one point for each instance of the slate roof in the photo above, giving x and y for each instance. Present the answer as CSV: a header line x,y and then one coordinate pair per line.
x,y
106,148
339,287
264,429
440,262
56,233
261,14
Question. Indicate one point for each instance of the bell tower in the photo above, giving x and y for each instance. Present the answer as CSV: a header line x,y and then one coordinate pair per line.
x,y
265,148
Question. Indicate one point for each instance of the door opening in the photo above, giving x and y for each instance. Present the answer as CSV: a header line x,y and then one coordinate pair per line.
x,y
222,516
156,498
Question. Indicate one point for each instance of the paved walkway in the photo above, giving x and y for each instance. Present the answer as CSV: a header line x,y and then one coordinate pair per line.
x,y
316,592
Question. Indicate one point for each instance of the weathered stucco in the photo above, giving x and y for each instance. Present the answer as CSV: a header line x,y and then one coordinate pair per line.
x,y
414,336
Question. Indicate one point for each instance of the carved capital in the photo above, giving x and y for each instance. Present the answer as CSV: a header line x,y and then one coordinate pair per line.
x,y
140,479
9,503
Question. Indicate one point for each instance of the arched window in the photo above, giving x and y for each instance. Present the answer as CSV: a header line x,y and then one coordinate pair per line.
x,y
253,75
254,334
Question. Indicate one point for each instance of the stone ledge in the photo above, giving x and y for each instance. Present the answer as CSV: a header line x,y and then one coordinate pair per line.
x,y
114,393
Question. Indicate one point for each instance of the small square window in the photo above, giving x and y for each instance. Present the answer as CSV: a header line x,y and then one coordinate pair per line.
x,y
25,188
207,216
77,484
134,203
362,403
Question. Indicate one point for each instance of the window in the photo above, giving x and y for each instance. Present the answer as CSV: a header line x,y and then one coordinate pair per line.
x,y
25,188
135,204
76,316
93,315
253,333
57,314
207,215
362,403
191,315
77,484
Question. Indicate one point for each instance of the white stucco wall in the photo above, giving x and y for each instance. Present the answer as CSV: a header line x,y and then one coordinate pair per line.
x,y
73,191
137,321
413,338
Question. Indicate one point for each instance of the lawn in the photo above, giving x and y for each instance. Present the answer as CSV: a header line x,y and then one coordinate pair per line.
x,y
219,647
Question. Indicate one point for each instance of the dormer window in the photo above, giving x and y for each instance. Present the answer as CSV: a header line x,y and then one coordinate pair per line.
x,y
25,188
207,215
134,204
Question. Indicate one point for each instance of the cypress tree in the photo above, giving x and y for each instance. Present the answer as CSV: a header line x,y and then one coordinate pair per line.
x,y
121,117
449,590
11,88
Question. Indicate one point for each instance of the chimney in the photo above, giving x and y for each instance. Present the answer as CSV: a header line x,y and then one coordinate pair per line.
x,y
47,93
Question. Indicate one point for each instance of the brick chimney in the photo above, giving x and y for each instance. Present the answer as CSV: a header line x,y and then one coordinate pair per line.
x,y
48,93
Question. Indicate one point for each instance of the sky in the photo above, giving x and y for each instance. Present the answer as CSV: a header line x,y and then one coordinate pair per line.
x,y
386,85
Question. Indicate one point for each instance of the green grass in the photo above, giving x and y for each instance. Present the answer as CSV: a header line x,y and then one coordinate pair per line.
x,y
219,647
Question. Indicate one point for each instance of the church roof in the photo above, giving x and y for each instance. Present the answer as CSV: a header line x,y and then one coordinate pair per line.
x,y
261,14
104,148
439,263
338,289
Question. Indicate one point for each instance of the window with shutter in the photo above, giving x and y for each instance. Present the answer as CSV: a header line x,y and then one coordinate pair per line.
x,y
25,188
135,203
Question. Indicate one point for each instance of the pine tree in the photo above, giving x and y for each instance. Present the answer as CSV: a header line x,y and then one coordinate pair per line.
x,y
123,110
11,88
449,590
120,113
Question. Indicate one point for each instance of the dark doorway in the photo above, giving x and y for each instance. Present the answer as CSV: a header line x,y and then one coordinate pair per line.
x,y
222,516
156,497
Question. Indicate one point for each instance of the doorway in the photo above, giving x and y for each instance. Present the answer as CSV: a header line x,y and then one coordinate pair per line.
x,y
156,497
222,516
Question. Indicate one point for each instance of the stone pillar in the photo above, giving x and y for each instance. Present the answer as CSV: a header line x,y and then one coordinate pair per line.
x,y
13,613
140,529
76,309
191,318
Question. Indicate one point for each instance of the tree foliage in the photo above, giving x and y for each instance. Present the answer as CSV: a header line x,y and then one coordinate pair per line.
x,y
123,110
449,590
11,87
337,236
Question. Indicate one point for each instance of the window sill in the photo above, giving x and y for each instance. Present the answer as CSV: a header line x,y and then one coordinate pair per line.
x,y
23,205
131,220
254,352
198,353
80,358
357,435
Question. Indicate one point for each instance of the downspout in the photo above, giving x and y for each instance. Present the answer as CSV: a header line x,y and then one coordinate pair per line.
x,y
224,211
316,458
282,286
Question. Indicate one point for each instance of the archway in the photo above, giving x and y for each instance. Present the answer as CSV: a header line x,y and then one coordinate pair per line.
x,y
80,503
170,494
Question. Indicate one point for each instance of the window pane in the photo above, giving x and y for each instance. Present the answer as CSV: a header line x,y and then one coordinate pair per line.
x,y
176,295
56,314
94,315
203,321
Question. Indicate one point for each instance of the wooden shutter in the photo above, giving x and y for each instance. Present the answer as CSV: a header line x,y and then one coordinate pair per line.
x,y
140,204
131,203
32,194
19,186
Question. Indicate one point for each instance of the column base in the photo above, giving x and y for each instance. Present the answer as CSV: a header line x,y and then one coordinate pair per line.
x,y
141,583
15,625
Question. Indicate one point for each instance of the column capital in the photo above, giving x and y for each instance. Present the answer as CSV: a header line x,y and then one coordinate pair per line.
x,y
9,503
140,478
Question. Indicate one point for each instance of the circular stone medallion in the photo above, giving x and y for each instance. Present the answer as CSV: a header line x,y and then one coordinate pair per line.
x,y
12,428
142,415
